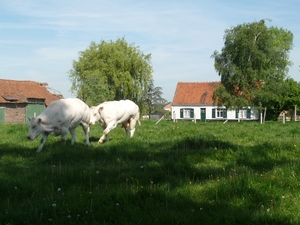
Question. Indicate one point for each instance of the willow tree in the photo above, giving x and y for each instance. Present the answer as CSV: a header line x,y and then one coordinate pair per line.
x,y
253,65
111,71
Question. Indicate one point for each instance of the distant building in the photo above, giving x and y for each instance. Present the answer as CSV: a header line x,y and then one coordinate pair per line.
x,y
194,101
22,99
167,107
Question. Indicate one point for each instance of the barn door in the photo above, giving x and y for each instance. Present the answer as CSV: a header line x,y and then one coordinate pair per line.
x,y
2,114
34,110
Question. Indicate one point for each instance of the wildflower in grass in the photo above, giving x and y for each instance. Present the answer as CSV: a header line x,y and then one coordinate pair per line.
x,y
16,188
283,197
58,189
53,205
97,172
201,209
69,216
117,204
268,210
142,167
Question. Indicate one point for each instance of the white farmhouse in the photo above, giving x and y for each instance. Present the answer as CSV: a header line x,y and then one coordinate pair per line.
x,y
193,100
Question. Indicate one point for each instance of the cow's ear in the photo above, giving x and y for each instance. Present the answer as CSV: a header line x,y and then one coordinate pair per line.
x,y
29,118
39,120
101,108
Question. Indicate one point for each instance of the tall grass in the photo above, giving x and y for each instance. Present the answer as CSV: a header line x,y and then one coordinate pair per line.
x,y
169,173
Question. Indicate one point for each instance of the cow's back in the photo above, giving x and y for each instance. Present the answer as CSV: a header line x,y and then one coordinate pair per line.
x,y
70,111
119,111
129,106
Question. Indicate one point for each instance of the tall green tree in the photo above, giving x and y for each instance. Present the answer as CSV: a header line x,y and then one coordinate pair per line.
x,y
292,97
111,71
154,100
253,65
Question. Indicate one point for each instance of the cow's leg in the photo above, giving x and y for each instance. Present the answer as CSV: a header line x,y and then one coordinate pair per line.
x,y
44,138
86,130
127,131
106,131
126,125
107,137
73,135
132,127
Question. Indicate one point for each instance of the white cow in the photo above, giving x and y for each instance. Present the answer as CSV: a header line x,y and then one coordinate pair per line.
x,y
58,118
112,113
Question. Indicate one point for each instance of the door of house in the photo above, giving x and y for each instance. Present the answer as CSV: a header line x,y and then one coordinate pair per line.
x,y
2,114
33,110
203,114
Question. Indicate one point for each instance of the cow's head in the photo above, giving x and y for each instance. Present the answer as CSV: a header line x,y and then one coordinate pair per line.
x,y
95,115
35,128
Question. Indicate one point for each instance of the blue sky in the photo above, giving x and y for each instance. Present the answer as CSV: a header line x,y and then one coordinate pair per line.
x,y
40,39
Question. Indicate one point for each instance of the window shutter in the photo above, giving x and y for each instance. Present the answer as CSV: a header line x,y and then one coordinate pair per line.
x,y
237,113
224,113
181,113
213,113
248,113
192,113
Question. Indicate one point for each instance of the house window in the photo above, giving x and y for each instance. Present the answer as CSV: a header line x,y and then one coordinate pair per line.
x,y
219,113
242,113
187,113
245,113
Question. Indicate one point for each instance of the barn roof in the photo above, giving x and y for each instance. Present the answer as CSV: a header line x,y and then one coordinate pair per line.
x,y
194,93
16,91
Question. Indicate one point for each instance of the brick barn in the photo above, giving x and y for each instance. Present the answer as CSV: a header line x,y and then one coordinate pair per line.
x,y
20,99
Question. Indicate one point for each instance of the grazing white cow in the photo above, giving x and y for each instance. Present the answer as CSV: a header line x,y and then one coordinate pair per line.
x,y
112,113
58,118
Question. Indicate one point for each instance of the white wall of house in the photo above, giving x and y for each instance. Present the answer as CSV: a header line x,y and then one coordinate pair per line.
x,y
211,112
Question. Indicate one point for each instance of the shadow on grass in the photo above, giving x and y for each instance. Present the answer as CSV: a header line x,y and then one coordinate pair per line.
x,y
189,181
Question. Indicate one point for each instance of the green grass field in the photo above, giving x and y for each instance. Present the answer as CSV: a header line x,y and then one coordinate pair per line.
x,y
183,173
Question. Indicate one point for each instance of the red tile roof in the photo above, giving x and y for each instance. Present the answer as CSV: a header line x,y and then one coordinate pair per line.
x,y
167,106
194,93
19,91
